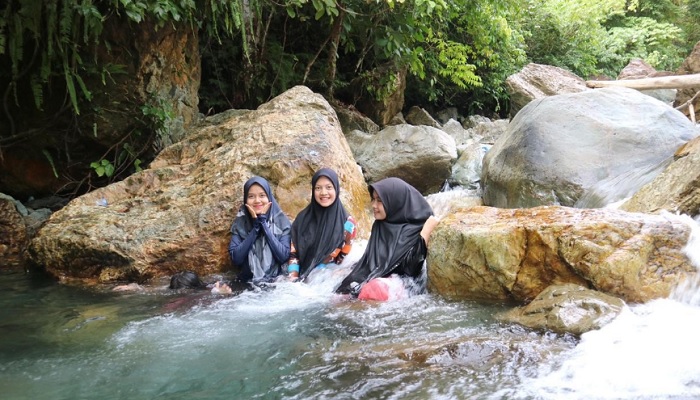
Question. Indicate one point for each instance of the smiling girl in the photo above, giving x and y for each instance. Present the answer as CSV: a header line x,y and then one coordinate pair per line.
x,y
323,232
260,234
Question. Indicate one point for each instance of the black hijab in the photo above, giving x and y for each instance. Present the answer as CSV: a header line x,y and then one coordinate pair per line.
x,y
317,231
391,238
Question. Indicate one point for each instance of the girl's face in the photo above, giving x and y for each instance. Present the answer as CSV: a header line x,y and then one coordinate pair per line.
x,y
324,192
257,198
378,207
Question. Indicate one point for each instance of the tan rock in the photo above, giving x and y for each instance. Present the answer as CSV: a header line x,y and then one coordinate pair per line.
x,y
514,254
676,189
536,81
176,215
13,233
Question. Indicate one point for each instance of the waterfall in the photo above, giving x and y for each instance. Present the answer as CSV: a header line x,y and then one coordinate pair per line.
x,y
648,352
688,291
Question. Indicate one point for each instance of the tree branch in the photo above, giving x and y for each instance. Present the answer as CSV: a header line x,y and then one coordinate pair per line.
x,y
663,82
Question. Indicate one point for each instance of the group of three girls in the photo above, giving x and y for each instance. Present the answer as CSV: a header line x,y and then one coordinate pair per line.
x,y
264,241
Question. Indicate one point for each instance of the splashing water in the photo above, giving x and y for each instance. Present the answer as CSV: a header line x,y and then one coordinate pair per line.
x,y
688,291
442,202
648,352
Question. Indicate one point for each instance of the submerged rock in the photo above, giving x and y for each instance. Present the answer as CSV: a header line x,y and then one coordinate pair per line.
x,y
567,308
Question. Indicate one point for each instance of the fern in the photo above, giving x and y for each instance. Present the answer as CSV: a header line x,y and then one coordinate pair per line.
x,y
50,159
37,91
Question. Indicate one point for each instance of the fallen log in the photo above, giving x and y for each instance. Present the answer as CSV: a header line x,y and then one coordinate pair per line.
x,y
662,82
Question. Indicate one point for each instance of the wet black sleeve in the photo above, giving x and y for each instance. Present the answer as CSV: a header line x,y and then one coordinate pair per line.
x,y
412,263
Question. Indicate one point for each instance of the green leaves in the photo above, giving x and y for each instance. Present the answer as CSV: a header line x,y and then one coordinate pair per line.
x,y
103,168
455,66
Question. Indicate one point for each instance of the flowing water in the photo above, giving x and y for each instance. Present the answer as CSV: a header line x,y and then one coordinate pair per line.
x,y
299,341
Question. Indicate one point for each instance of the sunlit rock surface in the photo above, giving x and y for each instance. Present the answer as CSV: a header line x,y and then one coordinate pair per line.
x,y
177,214
566,308
514,254
536,81
559,147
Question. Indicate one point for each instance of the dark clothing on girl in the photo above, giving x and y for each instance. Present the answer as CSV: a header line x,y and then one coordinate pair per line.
x,y
395,245
321,235
260,246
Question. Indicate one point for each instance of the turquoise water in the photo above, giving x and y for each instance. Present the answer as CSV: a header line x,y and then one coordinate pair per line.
x,y
293,341
299,341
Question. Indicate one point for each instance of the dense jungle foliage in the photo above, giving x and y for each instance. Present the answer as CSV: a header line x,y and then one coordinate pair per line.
x,y
457,52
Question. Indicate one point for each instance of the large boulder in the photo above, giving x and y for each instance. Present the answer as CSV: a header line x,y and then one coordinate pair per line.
x,y
514,254
176,215
536,81
559,148
420,155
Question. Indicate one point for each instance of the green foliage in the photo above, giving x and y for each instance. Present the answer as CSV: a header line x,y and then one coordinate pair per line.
x,y
41,38
157,113
48,156
457,52
103,168
382,85
589,37
474,47
49,39
453,57
569,34
657,43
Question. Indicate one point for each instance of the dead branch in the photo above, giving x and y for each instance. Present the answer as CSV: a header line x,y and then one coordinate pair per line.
x,y
662,82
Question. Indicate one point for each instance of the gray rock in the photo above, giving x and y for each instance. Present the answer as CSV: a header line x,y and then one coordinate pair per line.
x,y
559,147
567,308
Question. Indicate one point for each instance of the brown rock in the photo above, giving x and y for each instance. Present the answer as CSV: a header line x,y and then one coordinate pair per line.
x,y
676,189
176,215
536,81
514,254
13,234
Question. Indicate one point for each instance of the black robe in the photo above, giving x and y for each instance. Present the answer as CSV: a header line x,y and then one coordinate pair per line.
x,y
317,231
395,245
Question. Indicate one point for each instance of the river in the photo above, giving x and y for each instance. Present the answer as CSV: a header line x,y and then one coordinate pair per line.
x,y
300,341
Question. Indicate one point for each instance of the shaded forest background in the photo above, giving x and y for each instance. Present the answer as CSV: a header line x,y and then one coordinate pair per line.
x,y
454,53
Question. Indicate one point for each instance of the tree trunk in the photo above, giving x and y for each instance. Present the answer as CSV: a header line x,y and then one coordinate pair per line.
x,y
663,82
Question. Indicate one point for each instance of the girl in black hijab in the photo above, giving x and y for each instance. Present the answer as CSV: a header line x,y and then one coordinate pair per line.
x,y
398,242
261,234
323,232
